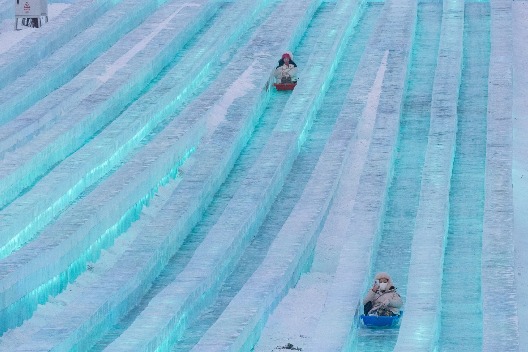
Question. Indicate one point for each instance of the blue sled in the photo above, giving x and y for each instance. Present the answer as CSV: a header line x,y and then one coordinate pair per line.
x,y
374,321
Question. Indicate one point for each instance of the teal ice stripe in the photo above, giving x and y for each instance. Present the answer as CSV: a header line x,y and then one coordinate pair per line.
x,y
419,329
393,251
501,331
373,158
461,287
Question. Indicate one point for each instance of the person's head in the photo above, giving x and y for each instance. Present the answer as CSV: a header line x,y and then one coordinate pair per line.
x,y
385,281
286,58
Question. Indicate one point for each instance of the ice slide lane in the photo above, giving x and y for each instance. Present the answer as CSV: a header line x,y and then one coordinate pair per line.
x,y
519,145
419,328
500,326
392,251
79,171
161,238
461,286
26,164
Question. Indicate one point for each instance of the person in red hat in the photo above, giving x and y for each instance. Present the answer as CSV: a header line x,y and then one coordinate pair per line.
x,y
286,71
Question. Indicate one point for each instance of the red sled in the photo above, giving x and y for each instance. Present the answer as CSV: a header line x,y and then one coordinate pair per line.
x,y
285,86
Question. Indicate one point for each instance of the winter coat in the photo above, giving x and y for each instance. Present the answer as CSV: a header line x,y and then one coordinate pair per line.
x,y
283,70
384,299
388,298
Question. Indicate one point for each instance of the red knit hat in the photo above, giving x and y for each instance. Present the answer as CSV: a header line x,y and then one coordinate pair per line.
x,y
286,55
